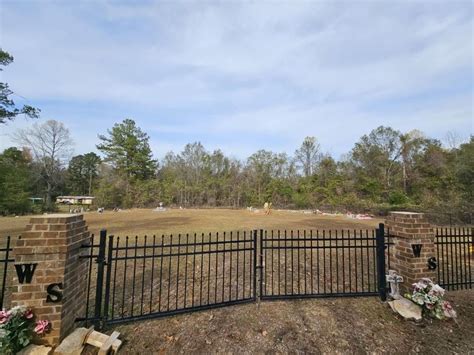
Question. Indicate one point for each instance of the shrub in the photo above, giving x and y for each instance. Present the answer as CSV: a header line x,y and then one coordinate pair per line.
x,y
397,198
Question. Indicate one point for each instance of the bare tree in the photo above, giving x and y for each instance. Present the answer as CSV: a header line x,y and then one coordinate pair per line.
x,y
51,146
308,155
453,140
410,143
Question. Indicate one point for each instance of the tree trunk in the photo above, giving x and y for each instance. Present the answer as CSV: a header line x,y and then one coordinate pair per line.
x,y
48,196
404,171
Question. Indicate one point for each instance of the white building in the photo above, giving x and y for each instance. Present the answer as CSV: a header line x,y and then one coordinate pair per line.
x,y
75,200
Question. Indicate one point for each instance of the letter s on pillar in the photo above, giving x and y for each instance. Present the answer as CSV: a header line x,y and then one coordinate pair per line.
x,y
55,293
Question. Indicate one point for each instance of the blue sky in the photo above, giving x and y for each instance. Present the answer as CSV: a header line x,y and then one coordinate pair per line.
x,y
242,76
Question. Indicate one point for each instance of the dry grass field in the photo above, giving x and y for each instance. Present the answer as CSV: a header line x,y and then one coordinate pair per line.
x,y
146,221
335,325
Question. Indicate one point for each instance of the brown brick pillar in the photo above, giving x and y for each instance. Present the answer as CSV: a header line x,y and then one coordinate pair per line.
x,y
53,243
413,239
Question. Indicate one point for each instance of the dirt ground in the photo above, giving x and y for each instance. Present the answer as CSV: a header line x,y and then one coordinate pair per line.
x,y
145,221
343,325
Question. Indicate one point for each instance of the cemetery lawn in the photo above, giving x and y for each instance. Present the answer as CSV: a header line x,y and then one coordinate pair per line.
x,y
146,221
343,325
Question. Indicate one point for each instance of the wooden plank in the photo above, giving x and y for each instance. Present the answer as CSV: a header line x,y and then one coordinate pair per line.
x,y
116,345
104,349
74,342
89,331
97,339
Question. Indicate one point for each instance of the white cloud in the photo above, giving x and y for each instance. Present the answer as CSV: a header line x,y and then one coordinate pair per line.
x,y
275,71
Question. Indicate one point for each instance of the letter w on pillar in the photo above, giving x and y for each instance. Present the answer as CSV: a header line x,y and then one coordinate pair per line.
x,y
25,272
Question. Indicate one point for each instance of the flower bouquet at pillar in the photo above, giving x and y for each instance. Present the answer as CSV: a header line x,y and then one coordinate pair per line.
x,y
18,328
430,297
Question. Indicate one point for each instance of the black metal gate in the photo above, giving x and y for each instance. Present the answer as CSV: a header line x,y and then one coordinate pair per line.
x,y
159,276
322,263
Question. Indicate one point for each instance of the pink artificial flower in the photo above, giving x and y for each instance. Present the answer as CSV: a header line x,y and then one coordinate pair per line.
x,y
42,326
448,310
429,305
29,314
419,286
4,317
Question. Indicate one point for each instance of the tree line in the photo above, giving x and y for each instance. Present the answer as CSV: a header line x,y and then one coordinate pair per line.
x,y
385,169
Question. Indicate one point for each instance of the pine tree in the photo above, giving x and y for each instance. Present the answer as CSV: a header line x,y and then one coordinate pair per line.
x,y
127,148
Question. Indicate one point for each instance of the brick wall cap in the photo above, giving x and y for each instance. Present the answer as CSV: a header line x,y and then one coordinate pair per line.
x,y
56,218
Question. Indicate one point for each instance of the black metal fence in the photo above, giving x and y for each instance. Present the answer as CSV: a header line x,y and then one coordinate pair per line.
x,y
5,262
134,278
93,304
455,254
